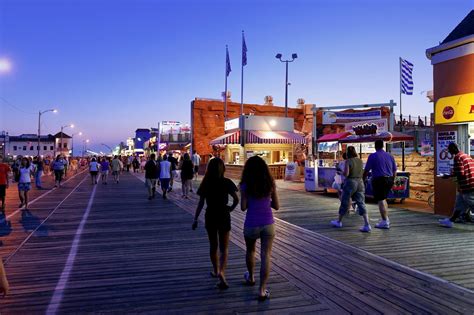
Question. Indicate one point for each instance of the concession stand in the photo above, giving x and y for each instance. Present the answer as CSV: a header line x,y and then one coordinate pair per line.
x,y
453,90
362,136
272,138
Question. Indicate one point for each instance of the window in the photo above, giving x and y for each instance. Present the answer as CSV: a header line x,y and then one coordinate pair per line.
x,y
51,148
15,148
24,148
65,145
31,148
45,147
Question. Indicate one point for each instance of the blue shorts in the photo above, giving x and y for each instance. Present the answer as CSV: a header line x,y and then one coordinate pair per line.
x,y
24,186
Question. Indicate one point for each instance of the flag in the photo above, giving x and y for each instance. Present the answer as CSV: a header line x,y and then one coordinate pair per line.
x,y
244,51
406,79
227,62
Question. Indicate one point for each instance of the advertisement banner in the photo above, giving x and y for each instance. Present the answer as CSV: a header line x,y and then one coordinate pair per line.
x,y
444,159
382,124
343,117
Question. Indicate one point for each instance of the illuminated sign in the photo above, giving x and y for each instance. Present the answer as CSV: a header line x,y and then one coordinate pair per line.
x,y
231,124
455,109
381,124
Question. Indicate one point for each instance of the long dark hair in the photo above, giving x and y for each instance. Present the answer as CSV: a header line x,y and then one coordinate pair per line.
x,y
214,175
351,152
256,176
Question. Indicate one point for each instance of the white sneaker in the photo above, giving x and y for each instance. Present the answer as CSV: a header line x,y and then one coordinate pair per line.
x,y
366,229
446,223
336,224
383,224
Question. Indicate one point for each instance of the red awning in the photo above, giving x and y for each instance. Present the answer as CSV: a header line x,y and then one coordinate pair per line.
x,y
334,137
228,138
391,136
272,137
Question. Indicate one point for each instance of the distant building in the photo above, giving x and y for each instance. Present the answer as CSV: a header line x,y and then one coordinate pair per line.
x,y
27,145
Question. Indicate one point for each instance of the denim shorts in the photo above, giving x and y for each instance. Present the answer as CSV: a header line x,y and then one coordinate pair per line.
x,y
265,231
24,186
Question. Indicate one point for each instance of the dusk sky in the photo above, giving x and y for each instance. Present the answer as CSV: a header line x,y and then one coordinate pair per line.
x,y
113,66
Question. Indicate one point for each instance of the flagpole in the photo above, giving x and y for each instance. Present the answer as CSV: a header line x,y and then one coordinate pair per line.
x,y
401,115
225,92
242,79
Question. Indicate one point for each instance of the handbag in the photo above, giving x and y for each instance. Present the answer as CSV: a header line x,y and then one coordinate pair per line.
x,y
4,286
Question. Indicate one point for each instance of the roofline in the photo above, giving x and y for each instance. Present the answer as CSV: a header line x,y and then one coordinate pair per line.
x,y
449,45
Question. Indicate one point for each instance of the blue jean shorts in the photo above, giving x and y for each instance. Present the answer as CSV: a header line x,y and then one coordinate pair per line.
x,y
265,232
24,186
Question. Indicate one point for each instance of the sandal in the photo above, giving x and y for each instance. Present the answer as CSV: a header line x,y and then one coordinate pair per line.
x,y
213,274
222,284
264,297
247,279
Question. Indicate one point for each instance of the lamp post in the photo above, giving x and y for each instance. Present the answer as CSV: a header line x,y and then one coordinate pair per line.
x,y
62,128
293,57
84,146
39,126
72,141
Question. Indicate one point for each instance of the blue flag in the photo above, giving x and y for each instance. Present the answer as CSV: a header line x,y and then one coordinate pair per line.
x,y
228,69
406,77
244,51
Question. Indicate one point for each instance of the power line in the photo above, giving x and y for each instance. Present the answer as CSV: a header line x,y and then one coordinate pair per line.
x,y
15,107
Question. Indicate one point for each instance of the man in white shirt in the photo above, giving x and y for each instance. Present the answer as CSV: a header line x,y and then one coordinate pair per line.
x,y
196,159
165,175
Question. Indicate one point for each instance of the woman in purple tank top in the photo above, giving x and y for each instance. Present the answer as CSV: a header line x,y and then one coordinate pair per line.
x,y
258,197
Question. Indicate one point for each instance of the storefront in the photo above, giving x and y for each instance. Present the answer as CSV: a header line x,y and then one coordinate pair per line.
x,y
271,138
453,89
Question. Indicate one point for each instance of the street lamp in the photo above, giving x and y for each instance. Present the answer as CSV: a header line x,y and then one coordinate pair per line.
x,y
84,146
39,126
62,127
72,141
293,57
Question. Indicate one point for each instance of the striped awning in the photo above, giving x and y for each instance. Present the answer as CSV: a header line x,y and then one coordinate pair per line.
x,y
228,138
270,137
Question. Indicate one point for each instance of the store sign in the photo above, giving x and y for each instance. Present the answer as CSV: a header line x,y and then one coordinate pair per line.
x,y
381,124
231,124
342,117
444,159
455,109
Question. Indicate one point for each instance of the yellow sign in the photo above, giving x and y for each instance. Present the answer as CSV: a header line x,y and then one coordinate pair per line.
x,y
455,109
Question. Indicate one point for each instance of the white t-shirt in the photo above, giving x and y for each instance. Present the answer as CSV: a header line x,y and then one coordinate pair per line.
x,y
165,169
25,174
196,159
93,166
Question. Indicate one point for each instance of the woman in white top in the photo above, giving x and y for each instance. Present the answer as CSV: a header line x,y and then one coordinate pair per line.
x,y
94,170
165,175
24,182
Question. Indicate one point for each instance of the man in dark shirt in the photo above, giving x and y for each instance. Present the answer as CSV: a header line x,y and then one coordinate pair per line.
x,y
463,170
151,175
174,166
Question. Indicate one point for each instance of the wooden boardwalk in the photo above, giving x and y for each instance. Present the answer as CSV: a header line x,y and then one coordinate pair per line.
x,y
109,249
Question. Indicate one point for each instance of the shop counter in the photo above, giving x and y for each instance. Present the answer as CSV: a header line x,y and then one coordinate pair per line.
x,y
235,170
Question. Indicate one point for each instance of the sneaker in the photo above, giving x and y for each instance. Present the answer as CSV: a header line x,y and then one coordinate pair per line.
x,y
336,224
366,229
446,223
383,224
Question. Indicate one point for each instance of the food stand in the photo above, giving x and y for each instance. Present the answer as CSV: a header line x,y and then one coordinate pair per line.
x,y
326,172
272,138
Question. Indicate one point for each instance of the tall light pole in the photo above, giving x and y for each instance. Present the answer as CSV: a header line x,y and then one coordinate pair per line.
x,y
293,57
39,126
84,146
62,128
72,141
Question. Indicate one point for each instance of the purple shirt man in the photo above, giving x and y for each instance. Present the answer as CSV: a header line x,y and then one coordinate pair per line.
x,y
382,164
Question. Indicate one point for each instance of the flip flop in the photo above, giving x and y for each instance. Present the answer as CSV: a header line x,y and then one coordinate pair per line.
x,y
264,297
213,274
222,285
247,279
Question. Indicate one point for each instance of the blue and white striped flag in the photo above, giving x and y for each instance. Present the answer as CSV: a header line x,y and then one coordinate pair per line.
x,y
244,51
228,69
406,79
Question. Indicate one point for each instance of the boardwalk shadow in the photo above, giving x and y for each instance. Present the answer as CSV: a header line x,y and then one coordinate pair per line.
x,y
30,222
5,226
